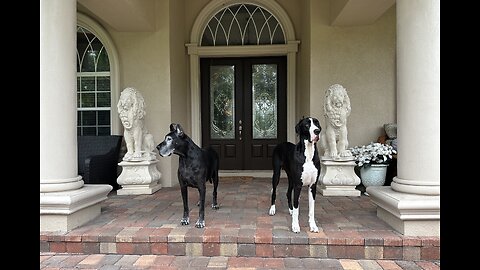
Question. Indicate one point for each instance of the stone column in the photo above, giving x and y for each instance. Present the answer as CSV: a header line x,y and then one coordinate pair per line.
x,y
412,204
61,188
58,115
418,97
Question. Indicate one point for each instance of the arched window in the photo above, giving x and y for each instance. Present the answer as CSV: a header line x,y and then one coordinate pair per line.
x,y
93,85
243,24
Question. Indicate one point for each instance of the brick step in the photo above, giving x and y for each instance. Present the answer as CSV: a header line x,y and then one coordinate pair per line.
x,y
149,224
116,261
244,242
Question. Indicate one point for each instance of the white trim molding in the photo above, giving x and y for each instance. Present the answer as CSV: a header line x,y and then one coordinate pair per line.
x,y
92,26
196,52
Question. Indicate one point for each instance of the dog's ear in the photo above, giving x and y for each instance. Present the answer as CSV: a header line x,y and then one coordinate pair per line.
x,y
173,127
179,130
297,127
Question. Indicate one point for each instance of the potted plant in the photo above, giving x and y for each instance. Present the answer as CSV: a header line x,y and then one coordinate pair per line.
x,y
373,160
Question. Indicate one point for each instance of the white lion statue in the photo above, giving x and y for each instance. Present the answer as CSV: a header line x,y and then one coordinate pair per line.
x,y
333,138
131,110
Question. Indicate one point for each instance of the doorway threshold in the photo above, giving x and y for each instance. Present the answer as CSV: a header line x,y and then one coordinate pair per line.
x,y
249,173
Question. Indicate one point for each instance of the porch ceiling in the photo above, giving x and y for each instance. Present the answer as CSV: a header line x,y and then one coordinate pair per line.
x,y
124,15
139,15
357,12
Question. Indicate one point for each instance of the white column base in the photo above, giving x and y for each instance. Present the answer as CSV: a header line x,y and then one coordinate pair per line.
x,y
408,214
141,177
416,187
338,178
66,210
57,185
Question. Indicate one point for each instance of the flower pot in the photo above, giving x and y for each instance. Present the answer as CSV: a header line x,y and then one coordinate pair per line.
x,y
391,130
373,174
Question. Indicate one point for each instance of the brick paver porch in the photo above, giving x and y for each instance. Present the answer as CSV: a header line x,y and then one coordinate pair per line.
x,y
150,225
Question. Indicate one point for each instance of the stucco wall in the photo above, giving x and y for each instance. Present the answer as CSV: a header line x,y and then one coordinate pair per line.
x,y
302,104
362,59
180,94
178,66
145,65
193,8
294,11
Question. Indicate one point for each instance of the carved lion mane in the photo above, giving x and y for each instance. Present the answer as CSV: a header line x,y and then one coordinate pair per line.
x,y
336,110
131,107
131,110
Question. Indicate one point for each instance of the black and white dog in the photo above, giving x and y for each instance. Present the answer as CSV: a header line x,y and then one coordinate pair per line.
x,y
302,165
195,167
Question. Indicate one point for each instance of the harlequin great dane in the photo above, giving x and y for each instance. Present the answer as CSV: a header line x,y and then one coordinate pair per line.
x,y
195,167
302,165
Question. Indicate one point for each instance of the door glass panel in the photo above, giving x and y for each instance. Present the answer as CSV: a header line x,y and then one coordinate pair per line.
x,y
243,24
222,98
264,99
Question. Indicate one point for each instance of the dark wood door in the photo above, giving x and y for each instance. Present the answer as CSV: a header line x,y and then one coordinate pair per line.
x,y
244,109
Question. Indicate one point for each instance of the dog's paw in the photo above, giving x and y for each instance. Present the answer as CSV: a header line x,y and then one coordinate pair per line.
x,y
295,228
185,221
200,224
198,203
313,227
215,206
290,211
271,212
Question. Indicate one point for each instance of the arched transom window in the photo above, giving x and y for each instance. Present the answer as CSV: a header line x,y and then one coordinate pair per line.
x,y
242,24
93,85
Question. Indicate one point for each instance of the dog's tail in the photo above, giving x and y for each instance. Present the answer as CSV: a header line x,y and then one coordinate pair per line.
x,y
214,161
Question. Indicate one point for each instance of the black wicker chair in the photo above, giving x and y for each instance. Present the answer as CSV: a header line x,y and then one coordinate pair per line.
x,y
98,159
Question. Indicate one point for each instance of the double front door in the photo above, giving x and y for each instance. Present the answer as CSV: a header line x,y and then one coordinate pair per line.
x,y
244,109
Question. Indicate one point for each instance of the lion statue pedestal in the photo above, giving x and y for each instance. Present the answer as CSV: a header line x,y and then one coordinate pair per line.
x,y
338,178
139,174
140,177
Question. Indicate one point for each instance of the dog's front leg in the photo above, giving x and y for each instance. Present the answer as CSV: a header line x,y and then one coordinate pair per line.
x,y
201,212
275,181
296,197
311,208
185,220
215,186
289,197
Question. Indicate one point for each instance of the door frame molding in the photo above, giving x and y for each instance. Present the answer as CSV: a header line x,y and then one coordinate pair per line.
x,y
247,152
196,52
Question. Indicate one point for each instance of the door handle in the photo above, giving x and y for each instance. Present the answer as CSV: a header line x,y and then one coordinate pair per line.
x,y
240,129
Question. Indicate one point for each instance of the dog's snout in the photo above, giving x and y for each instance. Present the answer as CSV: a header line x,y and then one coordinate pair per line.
x,y
316,131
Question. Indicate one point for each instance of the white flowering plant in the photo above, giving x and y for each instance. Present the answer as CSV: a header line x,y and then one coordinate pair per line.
x,y
373,153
